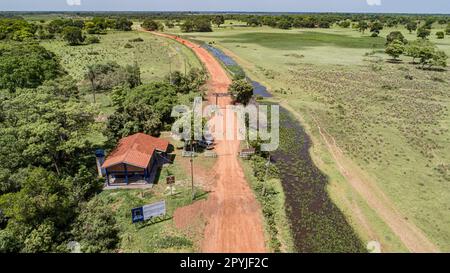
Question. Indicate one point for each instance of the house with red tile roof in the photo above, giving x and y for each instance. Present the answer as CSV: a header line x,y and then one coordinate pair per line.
x,y
136,157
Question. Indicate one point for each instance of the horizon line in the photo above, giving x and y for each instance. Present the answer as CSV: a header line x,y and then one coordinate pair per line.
x,y
219,11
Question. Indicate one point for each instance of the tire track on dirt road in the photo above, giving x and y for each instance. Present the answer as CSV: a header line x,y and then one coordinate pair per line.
x,y
233,216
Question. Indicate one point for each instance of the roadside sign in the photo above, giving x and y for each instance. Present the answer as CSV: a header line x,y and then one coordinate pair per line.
x,y
170,180
149,211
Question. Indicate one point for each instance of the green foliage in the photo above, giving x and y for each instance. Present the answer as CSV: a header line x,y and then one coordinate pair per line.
x,y
64,87
375,28
411,26
345,23
43,197
107,76
145,109
123,24
16,29
169,24
218,20
73,35
396,36
447,30
199,24
261,167
152,25
95,227
45,130
242,91
427,53
57,26
395,49
92,40
41,239
284,24
440,35
26,66
423,32
191,82
363,26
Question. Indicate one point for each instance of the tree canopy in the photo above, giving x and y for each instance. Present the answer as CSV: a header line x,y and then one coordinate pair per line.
x,y
26,66
242,91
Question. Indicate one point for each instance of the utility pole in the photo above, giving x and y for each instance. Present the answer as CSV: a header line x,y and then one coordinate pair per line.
x,y
265,178
170,69
192,171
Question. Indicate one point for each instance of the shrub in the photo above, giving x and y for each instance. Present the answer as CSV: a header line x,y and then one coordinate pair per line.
x,y
73,35
440,35
395,49
136,40
242,91
92,40
395,35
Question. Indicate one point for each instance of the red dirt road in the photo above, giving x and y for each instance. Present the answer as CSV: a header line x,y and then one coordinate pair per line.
x,y
233,216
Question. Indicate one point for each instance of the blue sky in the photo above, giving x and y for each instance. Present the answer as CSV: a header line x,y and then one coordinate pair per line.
x,y
396,6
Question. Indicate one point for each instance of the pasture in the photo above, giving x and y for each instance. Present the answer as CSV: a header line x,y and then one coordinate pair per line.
x,y
390,120
155,56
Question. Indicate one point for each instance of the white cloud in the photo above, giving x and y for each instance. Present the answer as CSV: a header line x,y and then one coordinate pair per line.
x,y
374,2
73,2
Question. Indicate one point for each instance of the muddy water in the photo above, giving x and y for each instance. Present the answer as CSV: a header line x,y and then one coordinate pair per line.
x,y
317,223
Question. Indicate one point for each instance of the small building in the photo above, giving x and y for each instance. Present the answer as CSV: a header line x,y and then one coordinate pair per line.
x,y
137,157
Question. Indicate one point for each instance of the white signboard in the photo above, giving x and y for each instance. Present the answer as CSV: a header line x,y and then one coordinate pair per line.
x,y
154,210
149,211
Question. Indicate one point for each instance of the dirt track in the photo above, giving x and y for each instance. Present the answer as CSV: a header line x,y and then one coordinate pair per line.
x,y
233,216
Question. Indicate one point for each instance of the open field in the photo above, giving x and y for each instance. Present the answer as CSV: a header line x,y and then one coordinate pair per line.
x,y
391,120
152,55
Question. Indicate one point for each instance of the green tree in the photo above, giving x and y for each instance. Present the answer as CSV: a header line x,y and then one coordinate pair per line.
x,y
123,24
73,35
47,131
411,26
146,108
95,228
242,91
395,49
447,30
188,26
284,24
41,239
395,36
375,28
440,35
150,25
26,66
423,33
218,20
363,26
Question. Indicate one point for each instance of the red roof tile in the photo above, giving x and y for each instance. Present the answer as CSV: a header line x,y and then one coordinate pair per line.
x,y
136,150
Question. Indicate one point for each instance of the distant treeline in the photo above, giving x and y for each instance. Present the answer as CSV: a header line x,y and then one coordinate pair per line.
x,y
12,25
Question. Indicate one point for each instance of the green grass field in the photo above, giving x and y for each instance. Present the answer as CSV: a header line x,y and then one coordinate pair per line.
x,y
152,55
392,120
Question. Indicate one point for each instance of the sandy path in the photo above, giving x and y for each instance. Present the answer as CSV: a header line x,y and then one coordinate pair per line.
x,y
233,216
